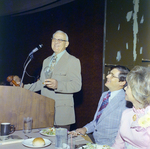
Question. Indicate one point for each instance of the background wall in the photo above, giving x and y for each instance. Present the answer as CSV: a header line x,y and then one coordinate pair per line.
x,y
83,22
127,33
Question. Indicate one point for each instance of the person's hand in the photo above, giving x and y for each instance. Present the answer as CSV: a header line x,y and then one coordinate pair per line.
x,y
51,83
78,131
73,133
81,130
16,79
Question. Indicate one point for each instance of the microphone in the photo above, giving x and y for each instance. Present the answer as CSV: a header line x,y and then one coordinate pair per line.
x,y
36,49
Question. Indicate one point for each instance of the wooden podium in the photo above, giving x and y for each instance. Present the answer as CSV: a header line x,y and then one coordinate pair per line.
x,y
17,103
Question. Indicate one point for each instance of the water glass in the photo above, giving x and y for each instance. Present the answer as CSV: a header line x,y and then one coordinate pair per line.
x,y
47,72
27,124
61,140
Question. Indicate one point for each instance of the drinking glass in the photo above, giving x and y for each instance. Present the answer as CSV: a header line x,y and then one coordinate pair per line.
x,y
61,140
27,124
47,72
71,142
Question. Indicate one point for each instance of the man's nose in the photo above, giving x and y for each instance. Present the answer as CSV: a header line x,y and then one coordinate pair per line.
x,y
108,76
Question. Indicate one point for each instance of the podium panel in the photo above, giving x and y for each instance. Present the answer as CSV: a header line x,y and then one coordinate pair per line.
x,y
17,103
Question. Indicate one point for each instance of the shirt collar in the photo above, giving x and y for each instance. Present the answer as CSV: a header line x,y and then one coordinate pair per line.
x,y
59,55
113,94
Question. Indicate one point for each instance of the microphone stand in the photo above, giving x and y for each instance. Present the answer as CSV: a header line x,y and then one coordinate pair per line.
x,y
31,57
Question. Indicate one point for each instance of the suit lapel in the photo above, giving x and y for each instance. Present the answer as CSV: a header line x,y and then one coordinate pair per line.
x,y
111,106
47,62
100,103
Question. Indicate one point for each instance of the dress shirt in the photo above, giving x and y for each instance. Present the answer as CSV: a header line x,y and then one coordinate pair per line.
x,y
58,57
113,94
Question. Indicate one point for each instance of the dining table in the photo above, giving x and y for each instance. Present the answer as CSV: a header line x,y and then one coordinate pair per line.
x,y
78,140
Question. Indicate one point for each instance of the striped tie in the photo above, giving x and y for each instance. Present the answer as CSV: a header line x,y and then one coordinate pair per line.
x,y
53,63
104,104
48,70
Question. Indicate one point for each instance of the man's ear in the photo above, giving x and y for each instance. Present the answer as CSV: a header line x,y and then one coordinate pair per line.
x,y
67,44
122,83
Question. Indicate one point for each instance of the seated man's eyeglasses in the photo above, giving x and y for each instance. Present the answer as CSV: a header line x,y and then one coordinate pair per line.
x,y
112,75
58,40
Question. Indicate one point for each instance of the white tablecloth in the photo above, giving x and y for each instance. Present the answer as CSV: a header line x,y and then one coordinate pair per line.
x,y
35,133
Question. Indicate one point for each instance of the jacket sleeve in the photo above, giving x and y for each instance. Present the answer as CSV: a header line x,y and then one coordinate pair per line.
x,y
36,86
33,86
91,126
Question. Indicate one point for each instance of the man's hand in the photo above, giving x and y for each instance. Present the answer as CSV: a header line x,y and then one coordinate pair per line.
x,y
14,80
51,83
78,131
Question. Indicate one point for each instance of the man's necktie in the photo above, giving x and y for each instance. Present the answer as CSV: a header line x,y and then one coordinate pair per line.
x,y
53,63
49,69
104,104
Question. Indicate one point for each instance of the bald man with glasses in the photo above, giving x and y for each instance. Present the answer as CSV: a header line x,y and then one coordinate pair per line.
x,y
60,78
105,125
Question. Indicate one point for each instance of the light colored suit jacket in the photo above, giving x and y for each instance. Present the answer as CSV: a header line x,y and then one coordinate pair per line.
x,y
68,74
105,130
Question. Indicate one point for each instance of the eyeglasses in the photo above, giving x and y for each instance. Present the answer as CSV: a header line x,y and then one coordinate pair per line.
x,y
58,40
112,75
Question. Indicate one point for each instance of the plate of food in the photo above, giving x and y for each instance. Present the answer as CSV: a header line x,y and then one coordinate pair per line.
x,y
95,146
36,142
48,132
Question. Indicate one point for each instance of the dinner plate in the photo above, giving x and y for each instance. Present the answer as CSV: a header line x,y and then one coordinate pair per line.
x,y
98,147
43,133
28,143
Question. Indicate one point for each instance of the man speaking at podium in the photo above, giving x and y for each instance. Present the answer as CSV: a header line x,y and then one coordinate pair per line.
x,y
60,77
